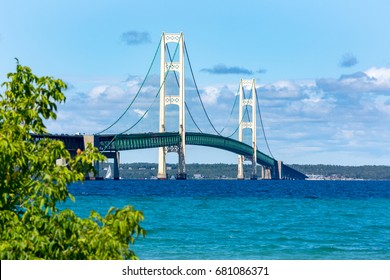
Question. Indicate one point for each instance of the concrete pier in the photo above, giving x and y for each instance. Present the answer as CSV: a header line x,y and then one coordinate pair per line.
x,y
116,156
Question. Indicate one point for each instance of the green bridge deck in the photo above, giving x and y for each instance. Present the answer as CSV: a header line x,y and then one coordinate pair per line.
x,y
124,142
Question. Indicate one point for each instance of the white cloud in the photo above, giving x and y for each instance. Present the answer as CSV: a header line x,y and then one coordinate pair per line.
x,y
292,99
316,104
281,89
371,80
381,77
96,92
105,93
140,113
348,135
210,95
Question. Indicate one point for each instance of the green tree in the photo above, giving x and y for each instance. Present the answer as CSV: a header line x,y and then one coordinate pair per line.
x,y
32,185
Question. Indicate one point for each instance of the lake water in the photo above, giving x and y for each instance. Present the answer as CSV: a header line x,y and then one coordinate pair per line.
x,y
328,220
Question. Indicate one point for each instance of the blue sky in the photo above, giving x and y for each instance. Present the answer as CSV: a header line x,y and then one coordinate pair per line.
x,y
322,68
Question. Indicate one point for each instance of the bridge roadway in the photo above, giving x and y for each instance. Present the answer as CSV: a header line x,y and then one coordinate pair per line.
x,y
124,142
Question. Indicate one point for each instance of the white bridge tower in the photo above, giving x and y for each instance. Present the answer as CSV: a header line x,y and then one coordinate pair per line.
x,y
178,100
250,125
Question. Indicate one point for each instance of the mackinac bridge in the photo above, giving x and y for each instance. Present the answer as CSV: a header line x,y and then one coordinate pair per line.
x,y
167,113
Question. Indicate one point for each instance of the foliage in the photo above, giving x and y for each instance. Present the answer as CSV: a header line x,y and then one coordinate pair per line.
x,y
32,185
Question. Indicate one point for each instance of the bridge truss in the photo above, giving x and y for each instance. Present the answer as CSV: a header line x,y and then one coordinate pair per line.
x,y
126,142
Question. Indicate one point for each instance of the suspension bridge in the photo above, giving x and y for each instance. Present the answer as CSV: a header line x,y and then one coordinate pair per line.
x,y
171,90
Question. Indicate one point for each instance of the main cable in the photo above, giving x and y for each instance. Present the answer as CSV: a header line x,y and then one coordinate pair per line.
x,y
144,114
185,103
158,92
231,112
197,90
138,92
243,115
201,101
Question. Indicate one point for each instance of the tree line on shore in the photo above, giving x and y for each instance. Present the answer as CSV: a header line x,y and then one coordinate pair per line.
x,y
143,170
365,172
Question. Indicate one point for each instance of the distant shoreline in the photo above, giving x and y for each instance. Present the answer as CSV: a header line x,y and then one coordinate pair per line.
x,y
143,170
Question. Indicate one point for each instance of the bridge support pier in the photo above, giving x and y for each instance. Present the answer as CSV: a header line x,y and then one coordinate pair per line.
x,y
280,169
90,139
181,176
240,175
254,169
116,156
162,166
181,168
96,165
116,165
266,173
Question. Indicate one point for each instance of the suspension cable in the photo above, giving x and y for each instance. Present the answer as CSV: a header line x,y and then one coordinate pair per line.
x,y
262,126
201,101
231,112
243,115
144,114
197,90
189,112
138,92
158,93
185,103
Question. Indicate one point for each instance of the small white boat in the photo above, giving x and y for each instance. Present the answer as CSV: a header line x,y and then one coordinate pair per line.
x,y
109,173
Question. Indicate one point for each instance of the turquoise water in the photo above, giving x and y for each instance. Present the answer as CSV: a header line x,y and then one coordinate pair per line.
x,y
250,219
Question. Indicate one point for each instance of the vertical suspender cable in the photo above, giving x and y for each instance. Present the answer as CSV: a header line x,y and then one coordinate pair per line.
x,y
185,103
158,93
197,90
135,97
262,126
